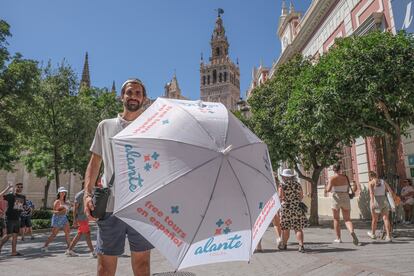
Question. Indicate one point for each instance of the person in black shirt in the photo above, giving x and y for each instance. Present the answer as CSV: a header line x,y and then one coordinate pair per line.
x,y
16,202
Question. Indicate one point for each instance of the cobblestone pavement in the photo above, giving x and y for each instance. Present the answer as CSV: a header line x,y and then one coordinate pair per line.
x,y
322,257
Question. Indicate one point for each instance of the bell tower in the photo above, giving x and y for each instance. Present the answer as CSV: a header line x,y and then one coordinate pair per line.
x,y
220,77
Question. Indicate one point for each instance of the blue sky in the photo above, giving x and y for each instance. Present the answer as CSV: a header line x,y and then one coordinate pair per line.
x,y
148,39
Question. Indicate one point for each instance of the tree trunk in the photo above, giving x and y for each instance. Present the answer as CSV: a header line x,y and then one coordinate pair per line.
x,y
46,193
392,145
314,216
56,168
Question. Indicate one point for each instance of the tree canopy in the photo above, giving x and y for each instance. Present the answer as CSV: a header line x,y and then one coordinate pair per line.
x,y
19,78
308,111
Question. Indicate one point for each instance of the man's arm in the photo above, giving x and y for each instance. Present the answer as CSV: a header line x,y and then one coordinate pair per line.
x,y
91,175
329,186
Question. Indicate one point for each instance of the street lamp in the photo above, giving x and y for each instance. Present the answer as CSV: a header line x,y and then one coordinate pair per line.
x,y
243,107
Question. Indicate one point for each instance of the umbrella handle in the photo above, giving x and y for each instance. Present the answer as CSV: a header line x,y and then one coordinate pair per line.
x,y
227,150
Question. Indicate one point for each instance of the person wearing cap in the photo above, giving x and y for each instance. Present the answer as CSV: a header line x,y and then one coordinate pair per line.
x,y
292,215
111,230
59,218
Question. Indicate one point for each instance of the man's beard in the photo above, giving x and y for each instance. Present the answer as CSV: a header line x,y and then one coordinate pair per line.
x,y
131,106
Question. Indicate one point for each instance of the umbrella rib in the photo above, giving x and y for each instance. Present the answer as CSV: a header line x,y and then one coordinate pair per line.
x,y
244,163
205,130
167,183
255,143
204,215
248,208
227,130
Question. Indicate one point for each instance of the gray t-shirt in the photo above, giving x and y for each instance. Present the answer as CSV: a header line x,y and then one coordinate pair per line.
x,y
102,146
80,214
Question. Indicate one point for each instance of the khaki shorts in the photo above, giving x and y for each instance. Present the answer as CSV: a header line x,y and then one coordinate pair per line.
x,y
381,204
341,200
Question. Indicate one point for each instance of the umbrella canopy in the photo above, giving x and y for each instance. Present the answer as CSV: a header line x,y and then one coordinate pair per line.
x,y
195,182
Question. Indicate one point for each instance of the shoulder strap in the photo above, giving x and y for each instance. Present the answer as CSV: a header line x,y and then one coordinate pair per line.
x,y
347,179
111,182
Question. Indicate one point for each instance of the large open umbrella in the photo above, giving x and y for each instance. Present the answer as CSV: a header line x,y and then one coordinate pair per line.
x,y
194,181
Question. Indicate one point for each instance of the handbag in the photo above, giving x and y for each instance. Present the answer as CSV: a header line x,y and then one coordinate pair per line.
x,y
303,207
351,192
100,199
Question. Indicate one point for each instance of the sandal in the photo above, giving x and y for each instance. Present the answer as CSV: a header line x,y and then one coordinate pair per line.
x,y
301,249
282,246
17,254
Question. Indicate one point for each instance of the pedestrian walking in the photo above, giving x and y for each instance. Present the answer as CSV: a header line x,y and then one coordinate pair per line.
x,y
407,199
26,220
339,186
82,223
379,204
59,218
15,203
292,214
111,230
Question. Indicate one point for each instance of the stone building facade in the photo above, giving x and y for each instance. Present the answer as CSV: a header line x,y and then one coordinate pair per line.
x,y
220,77
259,76
172,90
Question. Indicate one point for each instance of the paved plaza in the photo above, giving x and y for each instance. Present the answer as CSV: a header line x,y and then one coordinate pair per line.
x,y
322,258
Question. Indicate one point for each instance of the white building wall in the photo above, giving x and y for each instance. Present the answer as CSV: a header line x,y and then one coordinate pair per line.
x,y
341,13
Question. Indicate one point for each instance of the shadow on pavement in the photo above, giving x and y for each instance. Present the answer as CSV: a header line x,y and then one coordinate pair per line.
x,y
180,273
267,251
328,250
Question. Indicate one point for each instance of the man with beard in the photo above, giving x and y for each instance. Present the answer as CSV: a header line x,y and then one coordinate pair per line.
x,y
16,202
111,230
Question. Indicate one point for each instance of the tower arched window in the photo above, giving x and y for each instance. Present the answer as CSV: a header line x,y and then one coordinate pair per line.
x,y
208,79
220,77
225,76
204,80
217,51
214,76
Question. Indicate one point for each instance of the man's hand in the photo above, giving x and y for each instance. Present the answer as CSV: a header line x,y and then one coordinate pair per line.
x,y
87,201
91,174
75,223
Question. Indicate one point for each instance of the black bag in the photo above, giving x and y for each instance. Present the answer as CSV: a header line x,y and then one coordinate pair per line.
x,y
303,207
100,199
351,193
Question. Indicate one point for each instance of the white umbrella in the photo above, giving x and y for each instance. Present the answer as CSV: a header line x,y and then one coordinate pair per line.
x,y
195,182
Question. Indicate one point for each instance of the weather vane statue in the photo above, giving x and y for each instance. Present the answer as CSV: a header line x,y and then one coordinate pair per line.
x,y
219,11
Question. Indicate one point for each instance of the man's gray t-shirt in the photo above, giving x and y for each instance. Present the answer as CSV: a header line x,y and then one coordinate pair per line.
x,y
80,214
102,146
